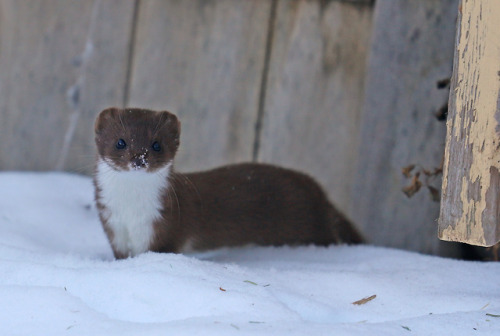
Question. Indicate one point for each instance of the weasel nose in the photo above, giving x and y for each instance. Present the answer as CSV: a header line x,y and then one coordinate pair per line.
x,y
139,162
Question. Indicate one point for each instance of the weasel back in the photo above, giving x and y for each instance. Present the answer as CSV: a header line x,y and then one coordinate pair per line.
x,y
258,204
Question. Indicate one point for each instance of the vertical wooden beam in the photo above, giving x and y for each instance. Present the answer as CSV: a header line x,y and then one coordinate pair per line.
x,y
61,62
470,204
313,97
411,49
203,60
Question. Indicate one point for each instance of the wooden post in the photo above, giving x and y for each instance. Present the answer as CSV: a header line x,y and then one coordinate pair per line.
x,y
470,210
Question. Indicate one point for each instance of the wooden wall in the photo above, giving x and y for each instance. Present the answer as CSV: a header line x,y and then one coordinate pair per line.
x,y
60,62
315,85
203,60
412,49
341,89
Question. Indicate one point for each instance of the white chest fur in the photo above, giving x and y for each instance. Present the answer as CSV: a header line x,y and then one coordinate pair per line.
x,y
133,202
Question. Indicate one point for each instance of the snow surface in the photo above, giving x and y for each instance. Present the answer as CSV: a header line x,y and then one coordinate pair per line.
x,y
58,277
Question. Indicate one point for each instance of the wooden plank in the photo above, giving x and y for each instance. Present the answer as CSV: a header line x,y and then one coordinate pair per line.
x,y
203,60
470,208
412,48
315,87
101,78
61,63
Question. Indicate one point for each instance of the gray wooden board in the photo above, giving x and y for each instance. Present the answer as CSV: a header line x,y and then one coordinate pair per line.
x,y
61,62
315,91
412,48
203,60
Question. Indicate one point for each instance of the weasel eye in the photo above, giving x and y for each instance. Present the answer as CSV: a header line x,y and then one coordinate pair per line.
x,y
121,144
156,146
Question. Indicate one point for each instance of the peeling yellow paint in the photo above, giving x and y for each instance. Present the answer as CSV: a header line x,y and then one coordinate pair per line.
x,y
476,95
461,232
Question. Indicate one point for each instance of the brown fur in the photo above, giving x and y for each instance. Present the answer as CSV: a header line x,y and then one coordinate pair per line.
x,y
139,128
229,206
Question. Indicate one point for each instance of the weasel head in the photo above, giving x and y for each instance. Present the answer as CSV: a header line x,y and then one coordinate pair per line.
x,y
137,139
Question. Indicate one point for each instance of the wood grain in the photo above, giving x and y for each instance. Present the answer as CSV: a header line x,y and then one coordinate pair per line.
x,y
315,91
203,60
470,210
61,63
412,48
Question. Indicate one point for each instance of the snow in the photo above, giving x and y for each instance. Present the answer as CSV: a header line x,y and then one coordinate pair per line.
x,y
58,277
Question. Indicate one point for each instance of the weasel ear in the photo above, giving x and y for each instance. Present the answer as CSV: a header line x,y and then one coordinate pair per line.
x,y
104,118
174,126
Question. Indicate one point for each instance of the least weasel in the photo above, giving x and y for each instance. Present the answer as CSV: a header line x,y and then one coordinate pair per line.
x,y
145,205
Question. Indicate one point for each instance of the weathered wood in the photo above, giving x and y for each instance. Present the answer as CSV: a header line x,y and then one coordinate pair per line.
x,y
470,204
203,60
412,48
314,91
61,63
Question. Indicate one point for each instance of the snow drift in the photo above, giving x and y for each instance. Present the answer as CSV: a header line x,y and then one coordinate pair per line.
x,y
58,277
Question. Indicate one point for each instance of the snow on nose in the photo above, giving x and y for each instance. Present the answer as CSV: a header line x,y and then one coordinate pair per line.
x,y
140,161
